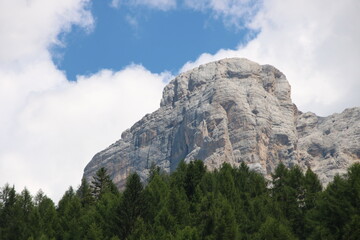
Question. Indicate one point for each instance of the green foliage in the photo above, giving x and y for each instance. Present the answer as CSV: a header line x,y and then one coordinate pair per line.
x,y
336,211
44,218
69,211
132,205
188,233
101,184
312,187
191,203
274,230
85,194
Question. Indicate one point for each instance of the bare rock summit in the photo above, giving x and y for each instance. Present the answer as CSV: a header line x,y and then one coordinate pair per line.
x,y
234,111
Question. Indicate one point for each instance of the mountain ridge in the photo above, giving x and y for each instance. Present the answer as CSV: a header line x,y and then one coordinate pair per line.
x,y
232,110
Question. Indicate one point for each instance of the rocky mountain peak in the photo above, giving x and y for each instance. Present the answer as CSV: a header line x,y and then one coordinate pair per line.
x,y
232,110
190,82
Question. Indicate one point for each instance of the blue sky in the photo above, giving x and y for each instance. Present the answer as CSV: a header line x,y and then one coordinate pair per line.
x,y
159,40
74,74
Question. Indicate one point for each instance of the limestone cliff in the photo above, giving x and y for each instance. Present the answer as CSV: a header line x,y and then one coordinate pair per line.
x,y
234,111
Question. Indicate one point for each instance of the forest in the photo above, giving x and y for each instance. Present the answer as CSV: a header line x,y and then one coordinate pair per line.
x,y
191,203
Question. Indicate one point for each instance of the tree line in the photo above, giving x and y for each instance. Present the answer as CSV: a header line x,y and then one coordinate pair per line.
x,y
190,204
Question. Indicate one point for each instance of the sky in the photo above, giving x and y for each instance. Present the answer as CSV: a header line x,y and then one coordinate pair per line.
x,y
74,74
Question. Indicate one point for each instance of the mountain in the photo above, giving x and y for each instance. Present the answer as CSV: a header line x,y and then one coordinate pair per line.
x,y
234,111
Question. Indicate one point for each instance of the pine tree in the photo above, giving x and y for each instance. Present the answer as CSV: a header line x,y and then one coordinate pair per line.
x,y
45,219
156,194
194,172
9,216
206,216
69,210
226,183
225,222
353,179
25,205
85,194
102,183
312,188
272,229
296,204
105,213
332,212
132,206
289,192
178,205
188,233
94,232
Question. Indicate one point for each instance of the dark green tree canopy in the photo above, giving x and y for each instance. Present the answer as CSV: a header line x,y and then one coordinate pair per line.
x,y
191,203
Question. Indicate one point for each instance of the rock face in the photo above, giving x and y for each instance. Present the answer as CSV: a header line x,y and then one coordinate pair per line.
x,y
233,111
329,145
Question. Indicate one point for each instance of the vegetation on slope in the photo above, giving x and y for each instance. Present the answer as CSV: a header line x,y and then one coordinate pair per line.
x,y
191,203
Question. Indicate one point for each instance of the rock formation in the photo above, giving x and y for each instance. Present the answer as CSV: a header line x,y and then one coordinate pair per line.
x,y
233,111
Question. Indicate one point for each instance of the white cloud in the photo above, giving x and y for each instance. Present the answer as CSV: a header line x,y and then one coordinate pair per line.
x,y
158,4
57,130
315,43
163,5
133,21
234,12
50,127
27,28
115,3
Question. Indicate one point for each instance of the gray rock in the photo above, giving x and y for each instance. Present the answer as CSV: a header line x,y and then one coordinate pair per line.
x,y
233,111
329,145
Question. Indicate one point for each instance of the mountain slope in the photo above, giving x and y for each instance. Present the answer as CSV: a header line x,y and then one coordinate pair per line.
x,y
234,111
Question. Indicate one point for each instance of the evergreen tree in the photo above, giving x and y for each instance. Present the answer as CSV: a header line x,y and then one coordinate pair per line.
x,y
332,212
94,232
140,232
102,183
105,213
191,203
289,193
194,172
165,221
178,205
132,206
44,216
312,188
188,233
225,223
274,230
85,194
9,217
353,179
296,204
156,194
25,205
206,216
69,210
226,183
352,228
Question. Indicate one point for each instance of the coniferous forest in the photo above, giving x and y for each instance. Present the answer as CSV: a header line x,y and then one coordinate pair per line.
x,y
191,203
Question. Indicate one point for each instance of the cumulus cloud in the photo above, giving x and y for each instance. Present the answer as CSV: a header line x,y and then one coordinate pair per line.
x,y
58,129
50,127
315,43
27,28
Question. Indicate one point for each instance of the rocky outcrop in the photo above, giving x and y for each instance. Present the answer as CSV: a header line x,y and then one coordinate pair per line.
x,y
233,111
329,145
